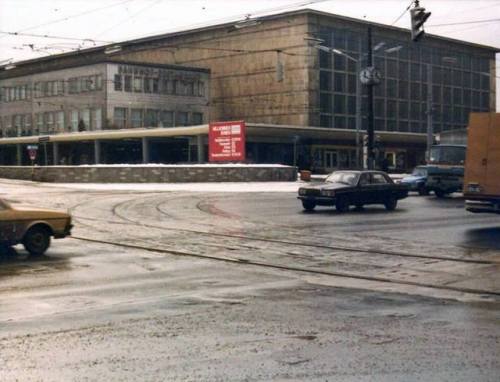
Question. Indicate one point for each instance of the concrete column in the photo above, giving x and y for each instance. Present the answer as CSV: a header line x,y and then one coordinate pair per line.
x,y
19,155
97,151
145,150
201,148
55,152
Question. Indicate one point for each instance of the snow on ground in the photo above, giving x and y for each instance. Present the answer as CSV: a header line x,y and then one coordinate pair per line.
x,y
189,187
189,165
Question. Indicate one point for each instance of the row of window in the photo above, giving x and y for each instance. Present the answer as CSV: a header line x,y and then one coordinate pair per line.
x,y
342,104
137,84
51,88
346,82
52,122
380,124
352,42
125,118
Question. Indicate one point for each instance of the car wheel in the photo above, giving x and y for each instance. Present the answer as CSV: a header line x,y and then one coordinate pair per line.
x,y
391,203
342,204
440,193
37,240
308,205
422,190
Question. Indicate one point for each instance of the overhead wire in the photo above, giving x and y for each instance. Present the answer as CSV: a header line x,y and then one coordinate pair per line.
x,y
404,12
234,18
129,17
53,37
74,16
464,22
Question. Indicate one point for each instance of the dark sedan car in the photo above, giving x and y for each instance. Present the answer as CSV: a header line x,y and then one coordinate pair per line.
x,y
345,188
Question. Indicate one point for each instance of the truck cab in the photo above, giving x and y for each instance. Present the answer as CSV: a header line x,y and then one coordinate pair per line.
x,y
445,169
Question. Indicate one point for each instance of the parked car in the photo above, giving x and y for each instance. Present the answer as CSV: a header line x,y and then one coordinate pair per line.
x,y
345,188
32,227
417,181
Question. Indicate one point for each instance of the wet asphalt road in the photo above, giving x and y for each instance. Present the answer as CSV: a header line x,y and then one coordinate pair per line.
x,y
94,311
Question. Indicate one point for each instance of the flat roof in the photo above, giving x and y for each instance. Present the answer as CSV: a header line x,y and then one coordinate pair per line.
x,y
150,39
253,130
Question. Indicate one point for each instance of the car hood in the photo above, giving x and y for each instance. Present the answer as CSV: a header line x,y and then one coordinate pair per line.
x,y
26,212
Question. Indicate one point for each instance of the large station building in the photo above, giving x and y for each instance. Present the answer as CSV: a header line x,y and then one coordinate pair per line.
x,y
149,100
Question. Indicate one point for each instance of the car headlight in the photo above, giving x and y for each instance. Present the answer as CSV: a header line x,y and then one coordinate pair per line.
x,y
327,193
302,191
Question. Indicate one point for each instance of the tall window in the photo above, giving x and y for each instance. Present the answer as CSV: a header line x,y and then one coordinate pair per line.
x,y
85,117
138,84
181,118
60,121
137,118
74,120
27,124
49,120
18,125
166,118
97,119
151,118
73,85
120,117
39,123
197,118
118,83
128,83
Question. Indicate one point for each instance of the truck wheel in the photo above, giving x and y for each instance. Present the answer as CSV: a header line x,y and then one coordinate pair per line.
x,y
36,241
391,203
440,193
308,205
422,190
342,204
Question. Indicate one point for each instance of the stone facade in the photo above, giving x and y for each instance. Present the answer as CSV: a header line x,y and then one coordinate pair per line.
x,y
150,174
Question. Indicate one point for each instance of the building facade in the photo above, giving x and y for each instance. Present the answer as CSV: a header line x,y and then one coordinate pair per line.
x,y
271,71
103,96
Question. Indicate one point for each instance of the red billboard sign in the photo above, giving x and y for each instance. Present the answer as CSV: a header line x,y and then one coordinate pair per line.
x,y
226,141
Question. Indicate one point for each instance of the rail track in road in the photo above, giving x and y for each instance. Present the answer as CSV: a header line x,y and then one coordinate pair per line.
x,y
125,220
247,262
133,212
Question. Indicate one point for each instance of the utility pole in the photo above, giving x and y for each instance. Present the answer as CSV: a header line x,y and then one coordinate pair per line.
x,y
430,127
371,118
359,162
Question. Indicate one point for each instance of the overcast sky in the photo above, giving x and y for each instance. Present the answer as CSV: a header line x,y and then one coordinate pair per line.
x,y
91,22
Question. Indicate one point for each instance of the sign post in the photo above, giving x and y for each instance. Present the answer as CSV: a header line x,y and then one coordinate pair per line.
x,y
32,151
226,141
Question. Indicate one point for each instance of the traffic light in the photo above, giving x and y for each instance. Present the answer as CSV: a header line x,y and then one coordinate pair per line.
x,y
418,18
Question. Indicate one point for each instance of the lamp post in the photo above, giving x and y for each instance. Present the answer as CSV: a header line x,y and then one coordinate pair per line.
x,y
358,96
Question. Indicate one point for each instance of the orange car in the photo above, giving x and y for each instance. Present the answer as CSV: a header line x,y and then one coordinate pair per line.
x,y
32,227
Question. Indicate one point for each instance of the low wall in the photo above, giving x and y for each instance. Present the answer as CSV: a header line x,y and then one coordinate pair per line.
x,y
151,174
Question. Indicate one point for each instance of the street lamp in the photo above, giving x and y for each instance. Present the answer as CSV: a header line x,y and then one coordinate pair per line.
x,y
358,87
358,94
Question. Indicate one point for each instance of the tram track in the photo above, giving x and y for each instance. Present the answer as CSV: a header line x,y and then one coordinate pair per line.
x,y
249,262
133,222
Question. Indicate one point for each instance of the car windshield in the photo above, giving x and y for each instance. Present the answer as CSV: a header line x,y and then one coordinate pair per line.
x,y
350,178
419,172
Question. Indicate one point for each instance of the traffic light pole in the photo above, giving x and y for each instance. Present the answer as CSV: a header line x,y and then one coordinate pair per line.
x,y
370,127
